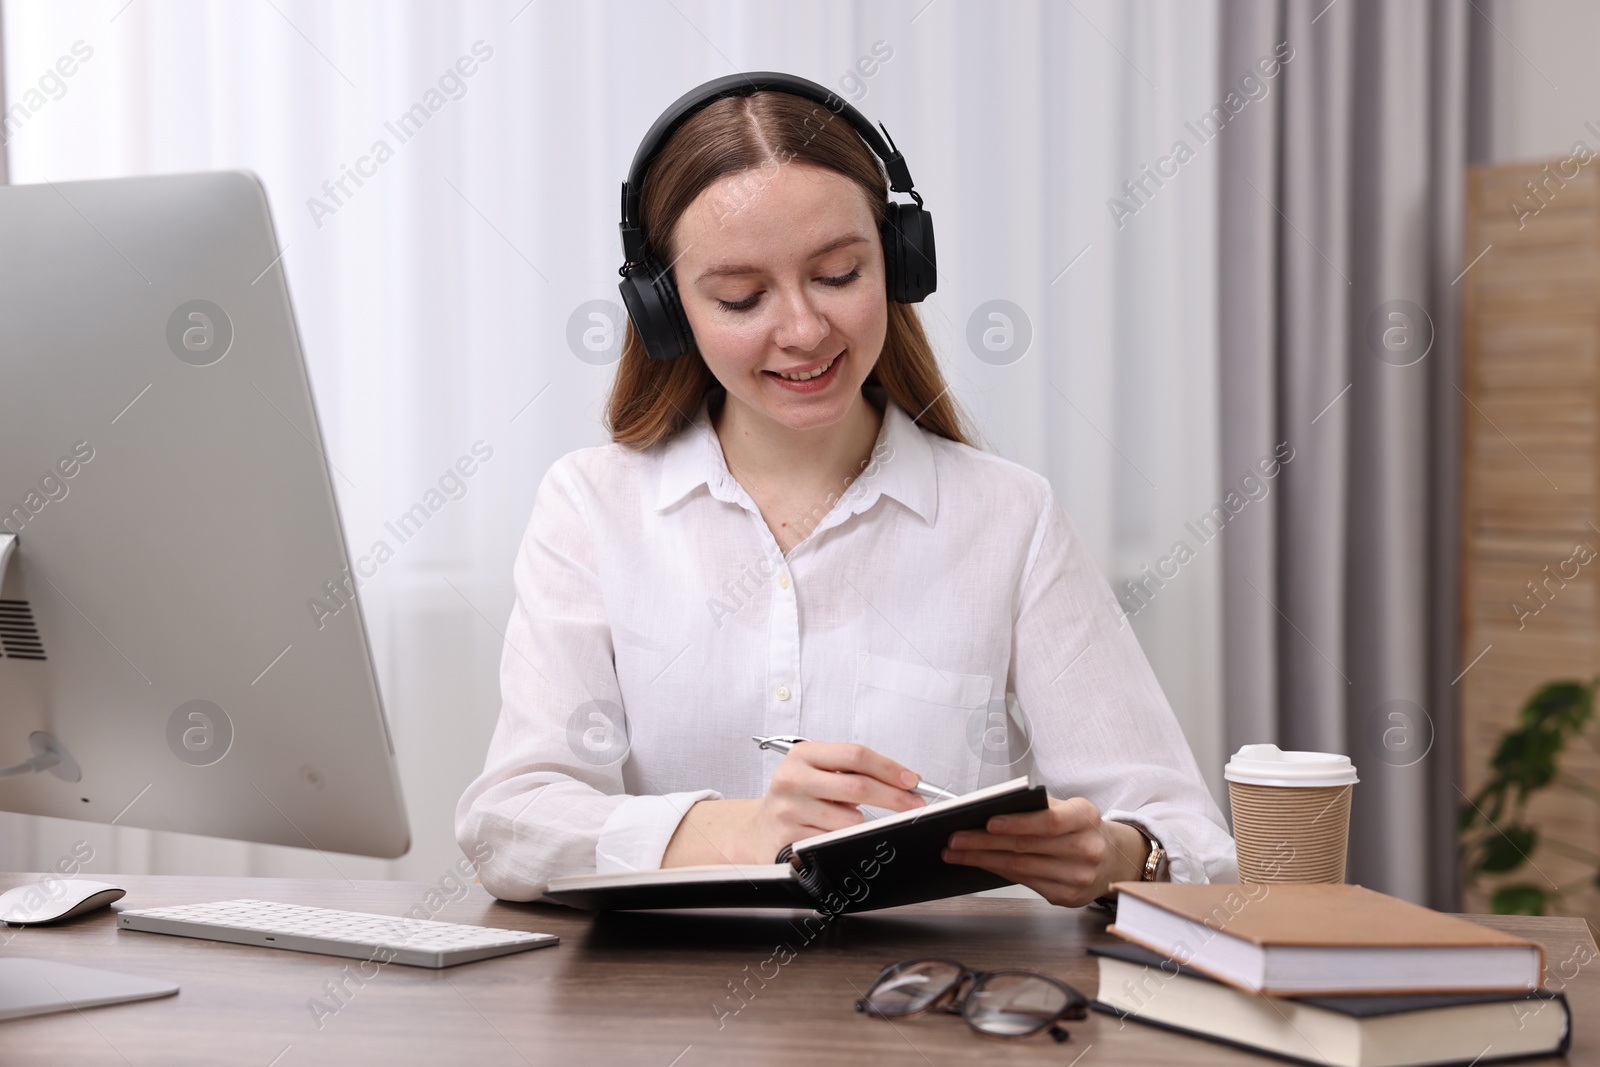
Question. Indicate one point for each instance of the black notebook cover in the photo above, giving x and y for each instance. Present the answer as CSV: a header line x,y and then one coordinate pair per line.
x,y
902,864
748,887
880,864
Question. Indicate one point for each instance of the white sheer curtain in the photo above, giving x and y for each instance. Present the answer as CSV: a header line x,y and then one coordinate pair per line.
x,y
434,297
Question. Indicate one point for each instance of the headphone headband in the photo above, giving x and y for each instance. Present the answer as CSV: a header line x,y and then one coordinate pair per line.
x,y
743,85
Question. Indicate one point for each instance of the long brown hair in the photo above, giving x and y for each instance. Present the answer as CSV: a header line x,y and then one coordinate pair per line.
x,y
652,400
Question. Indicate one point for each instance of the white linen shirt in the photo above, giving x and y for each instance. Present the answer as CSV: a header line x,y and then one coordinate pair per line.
x,y
657,626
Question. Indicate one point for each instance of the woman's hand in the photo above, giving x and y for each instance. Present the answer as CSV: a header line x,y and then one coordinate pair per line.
x,y
815,789
1065,853
818,786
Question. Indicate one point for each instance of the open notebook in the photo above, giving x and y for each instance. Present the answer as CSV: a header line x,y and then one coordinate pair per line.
x,y
881,863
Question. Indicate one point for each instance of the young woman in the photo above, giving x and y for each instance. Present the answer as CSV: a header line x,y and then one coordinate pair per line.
x,y
792,533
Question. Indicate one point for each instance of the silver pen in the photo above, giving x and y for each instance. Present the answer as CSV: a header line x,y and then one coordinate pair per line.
x,y
783,743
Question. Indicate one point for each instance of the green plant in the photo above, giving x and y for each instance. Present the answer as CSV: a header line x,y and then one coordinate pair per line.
x,y
1496,837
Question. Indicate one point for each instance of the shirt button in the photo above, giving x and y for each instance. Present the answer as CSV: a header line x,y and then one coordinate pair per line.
x,y
783,692
783,581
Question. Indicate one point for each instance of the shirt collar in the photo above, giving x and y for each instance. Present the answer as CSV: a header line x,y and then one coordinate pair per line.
x,y
901,465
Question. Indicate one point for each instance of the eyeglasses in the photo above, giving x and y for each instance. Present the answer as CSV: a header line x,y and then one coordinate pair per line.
x,y
1006,1003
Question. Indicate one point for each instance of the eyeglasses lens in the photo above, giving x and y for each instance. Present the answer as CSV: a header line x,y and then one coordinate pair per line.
x,y
912,989
1014,1004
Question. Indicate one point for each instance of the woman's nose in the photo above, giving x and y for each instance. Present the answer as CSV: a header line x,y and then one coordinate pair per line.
x,y
801,325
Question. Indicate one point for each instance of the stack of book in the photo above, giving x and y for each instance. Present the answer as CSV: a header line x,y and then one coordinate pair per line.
x,y
1327,974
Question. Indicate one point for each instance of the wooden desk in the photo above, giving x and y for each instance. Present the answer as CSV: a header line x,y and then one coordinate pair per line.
x,y
619,989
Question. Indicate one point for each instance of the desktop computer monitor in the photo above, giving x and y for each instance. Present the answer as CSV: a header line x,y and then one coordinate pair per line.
x,y
181,647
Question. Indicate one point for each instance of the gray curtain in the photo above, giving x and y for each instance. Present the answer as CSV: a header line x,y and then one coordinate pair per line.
x,y
1341,214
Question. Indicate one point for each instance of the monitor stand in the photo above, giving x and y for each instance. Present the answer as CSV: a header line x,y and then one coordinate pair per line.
x,y
38,987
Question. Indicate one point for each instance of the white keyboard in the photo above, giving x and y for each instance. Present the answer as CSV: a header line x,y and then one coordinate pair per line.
x,y
358,935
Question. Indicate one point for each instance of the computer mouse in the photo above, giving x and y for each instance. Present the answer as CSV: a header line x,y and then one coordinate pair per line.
x,y
55,899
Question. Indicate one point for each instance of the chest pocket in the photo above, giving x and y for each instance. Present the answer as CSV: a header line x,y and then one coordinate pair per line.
x,y
920,716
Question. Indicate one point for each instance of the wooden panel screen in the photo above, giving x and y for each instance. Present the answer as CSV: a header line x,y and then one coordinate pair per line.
x,y
1531,455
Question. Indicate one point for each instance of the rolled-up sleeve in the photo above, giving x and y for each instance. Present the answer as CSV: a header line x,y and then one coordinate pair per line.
x,y
1101,726
550,800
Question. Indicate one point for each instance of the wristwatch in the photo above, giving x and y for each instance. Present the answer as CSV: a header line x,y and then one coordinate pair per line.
x,y
1155,869
1155,861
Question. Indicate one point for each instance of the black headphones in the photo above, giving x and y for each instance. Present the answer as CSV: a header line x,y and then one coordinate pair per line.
x,y
647,287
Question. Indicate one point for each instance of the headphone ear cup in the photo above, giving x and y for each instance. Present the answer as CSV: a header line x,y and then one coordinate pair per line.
x,y
651,297
910,265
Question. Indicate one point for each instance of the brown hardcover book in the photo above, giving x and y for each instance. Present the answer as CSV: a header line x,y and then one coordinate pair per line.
x,y
1321,940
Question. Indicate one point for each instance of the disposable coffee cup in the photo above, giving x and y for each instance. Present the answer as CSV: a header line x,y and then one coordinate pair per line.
x,y
1291,813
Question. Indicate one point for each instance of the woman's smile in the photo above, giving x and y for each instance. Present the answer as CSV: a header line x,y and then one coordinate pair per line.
x,y
807,378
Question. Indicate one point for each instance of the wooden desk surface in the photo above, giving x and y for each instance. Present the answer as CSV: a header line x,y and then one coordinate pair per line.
x,y
619,989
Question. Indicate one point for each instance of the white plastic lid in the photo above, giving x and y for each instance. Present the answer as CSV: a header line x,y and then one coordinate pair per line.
x,y
1270,765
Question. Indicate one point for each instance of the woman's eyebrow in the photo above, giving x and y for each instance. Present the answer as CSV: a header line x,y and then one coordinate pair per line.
x,y
740,268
